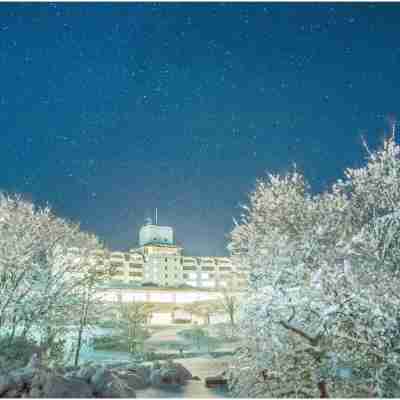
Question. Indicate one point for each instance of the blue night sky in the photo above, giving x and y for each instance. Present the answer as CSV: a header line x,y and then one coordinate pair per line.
x,y
110,110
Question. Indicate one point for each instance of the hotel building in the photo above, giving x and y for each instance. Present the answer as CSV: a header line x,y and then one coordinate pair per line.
x,y
159,261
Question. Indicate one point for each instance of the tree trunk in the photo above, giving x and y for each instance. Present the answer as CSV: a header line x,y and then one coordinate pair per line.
x,y
27,326
78,344
48,343
14,327
80,332
134,334
323,391
232,325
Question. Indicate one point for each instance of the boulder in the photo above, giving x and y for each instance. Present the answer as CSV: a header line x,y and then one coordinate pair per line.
x,y
133,380
12,394
215,381
164,379
7,383
182,373
169,375
116,388
106,383
72,368
19,381
142,370
156,378
86,373
57,386
101,378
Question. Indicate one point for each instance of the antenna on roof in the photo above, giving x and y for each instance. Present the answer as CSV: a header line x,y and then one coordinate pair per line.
x,y
156,215
391,118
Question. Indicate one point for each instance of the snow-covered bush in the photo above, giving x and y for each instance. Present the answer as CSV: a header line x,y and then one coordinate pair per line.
x,y
320,316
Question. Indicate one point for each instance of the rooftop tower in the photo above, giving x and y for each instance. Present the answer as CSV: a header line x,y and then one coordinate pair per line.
x,y
154,234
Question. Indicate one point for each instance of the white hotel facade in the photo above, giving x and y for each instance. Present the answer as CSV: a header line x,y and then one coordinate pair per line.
x,y
159,261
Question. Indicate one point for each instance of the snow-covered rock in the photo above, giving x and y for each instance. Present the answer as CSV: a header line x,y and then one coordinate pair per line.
x,y
57,386
86,372
133,380
142,370
106,383
6,383
169,375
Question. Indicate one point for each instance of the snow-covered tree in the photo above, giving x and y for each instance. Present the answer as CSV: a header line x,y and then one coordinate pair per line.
x,y
320,316
133,317
42,280
229,304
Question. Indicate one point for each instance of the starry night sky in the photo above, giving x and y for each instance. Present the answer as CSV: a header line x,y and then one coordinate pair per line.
x,y
110,110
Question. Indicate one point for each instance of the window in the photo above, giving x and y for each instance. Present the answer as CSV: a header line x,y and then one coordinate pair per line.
x,y
116,263
166,276
189,268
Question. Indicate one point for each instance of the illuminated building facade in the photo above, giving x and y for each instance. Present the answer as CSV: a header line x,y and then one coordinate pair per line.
x,y
159,261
